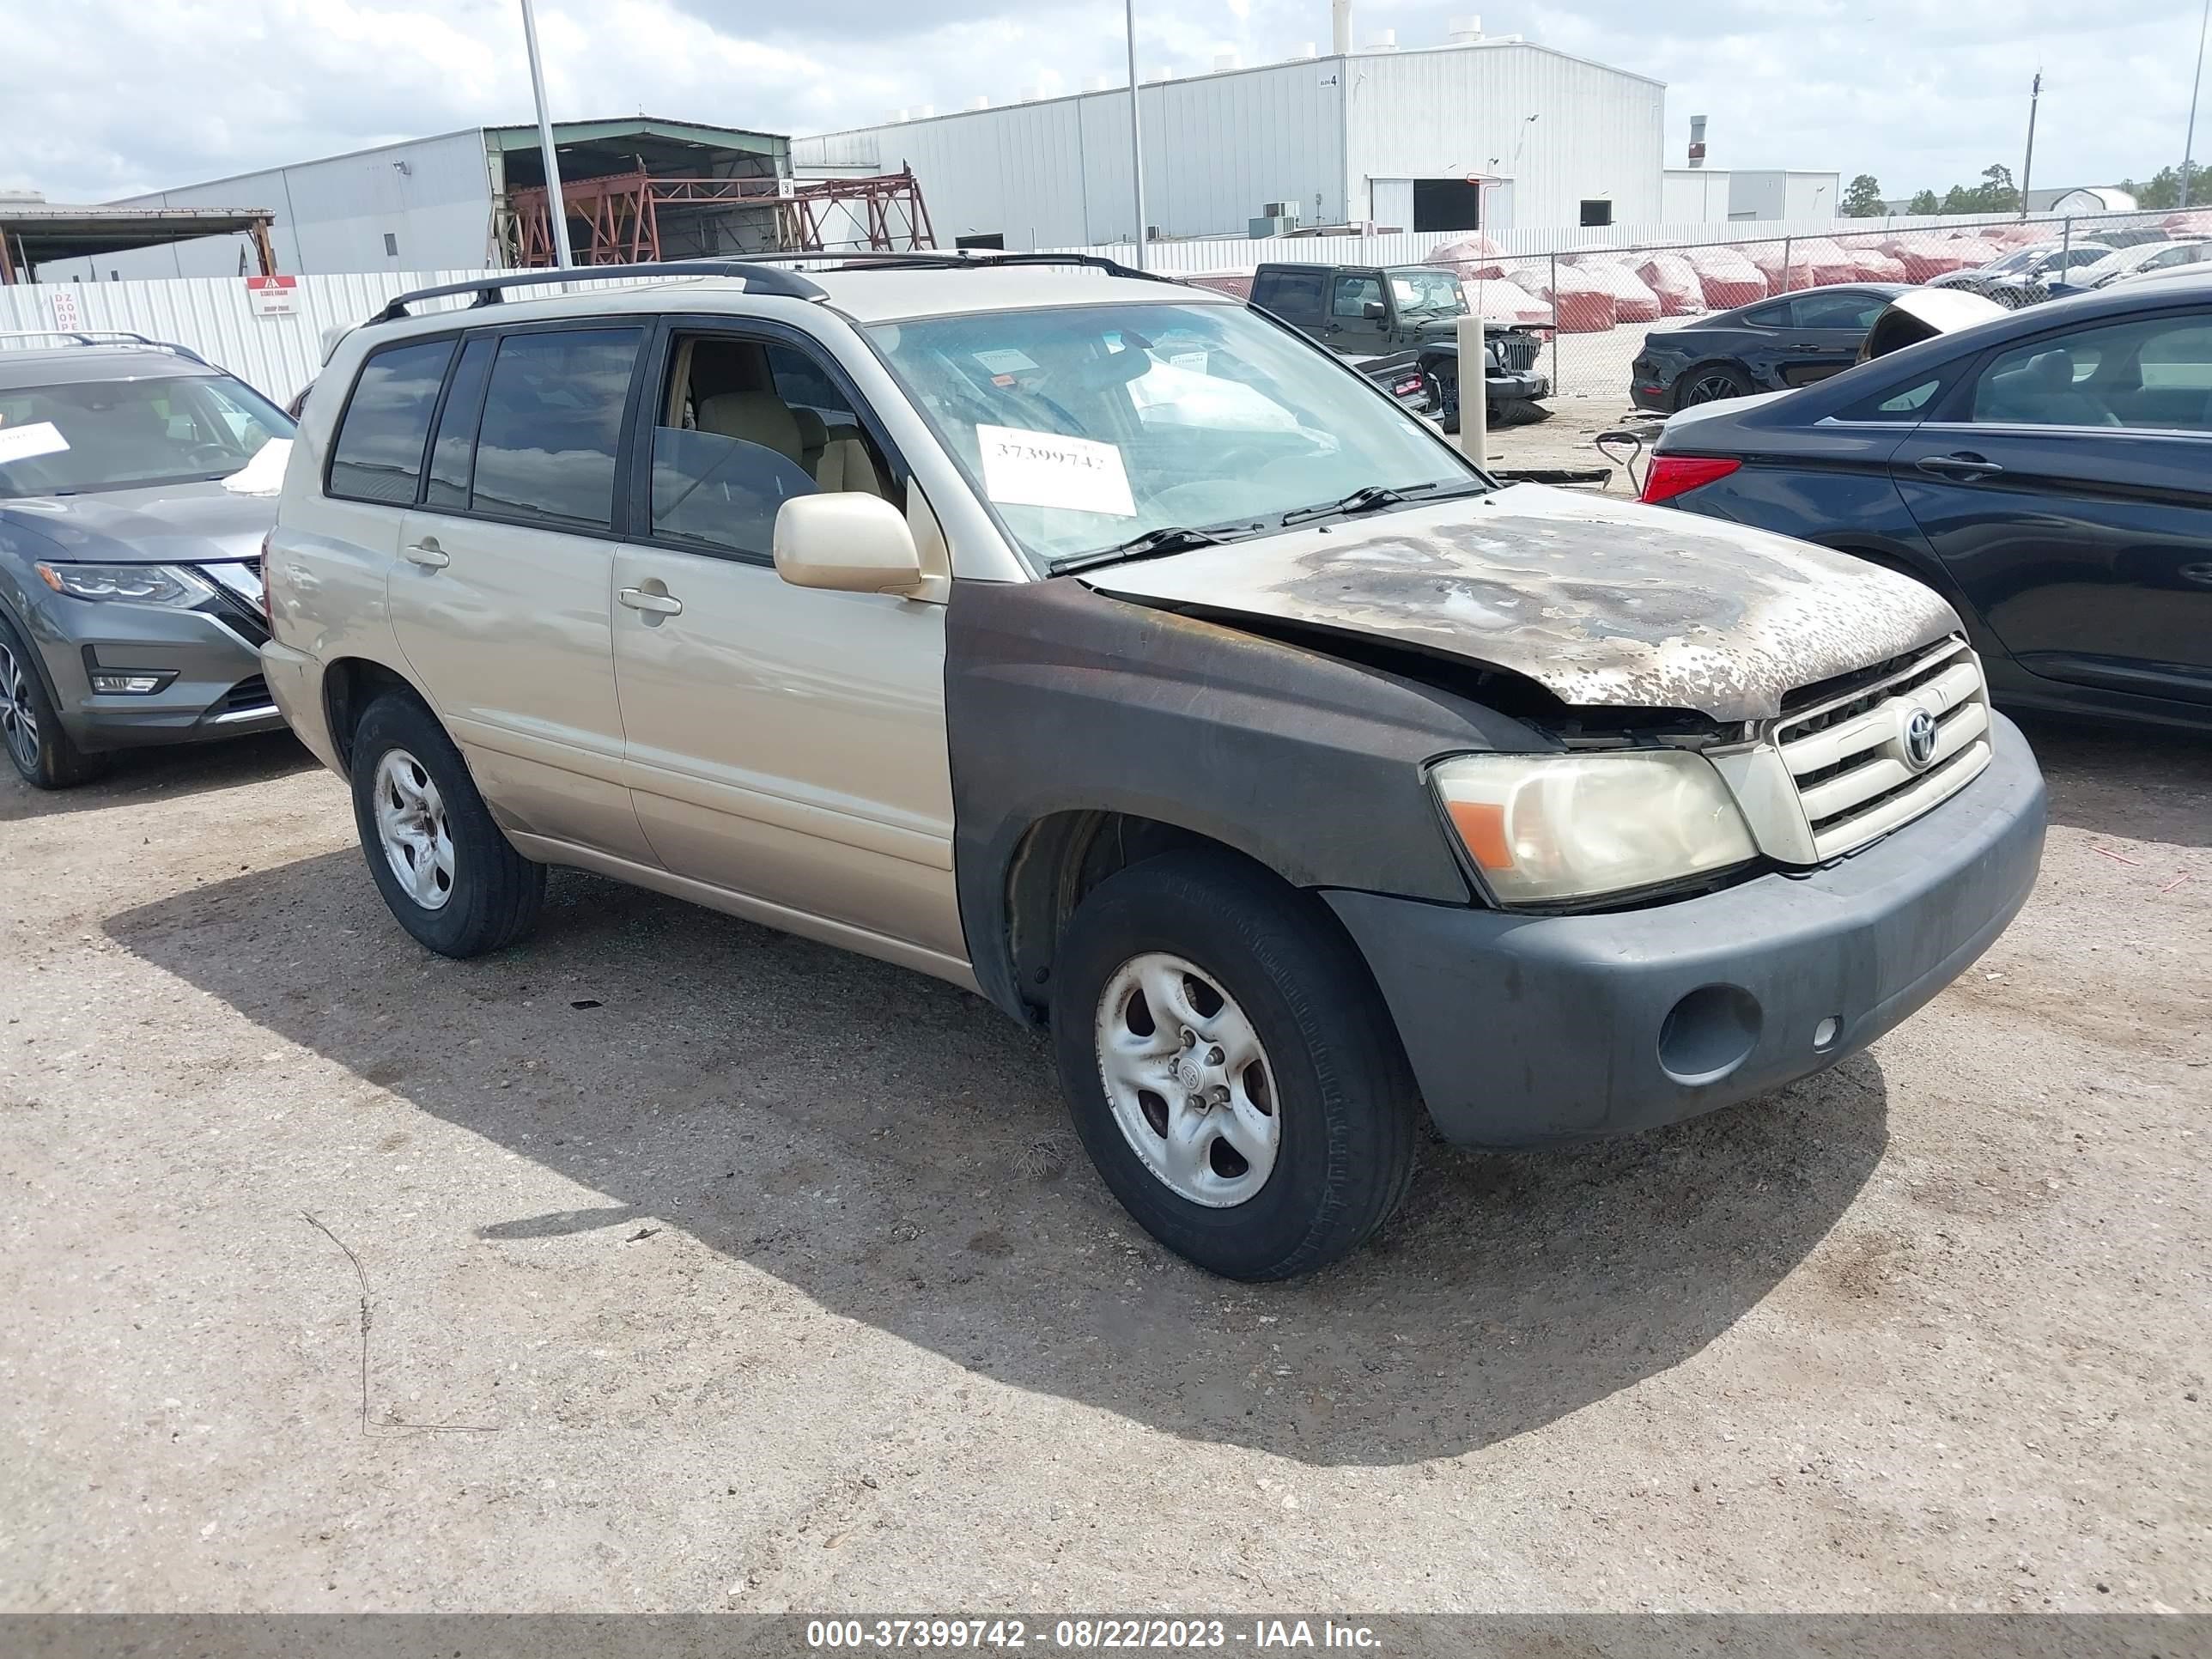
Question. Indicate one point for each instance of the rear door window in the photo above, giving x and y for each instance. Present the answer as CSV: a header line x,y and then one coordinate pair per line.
x,y
1292,294
2150,375
552,422
378,453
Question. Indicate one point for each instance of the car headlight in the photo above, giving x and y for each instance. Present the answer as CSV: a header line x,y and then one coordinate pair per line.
x,y
137,584
1545,829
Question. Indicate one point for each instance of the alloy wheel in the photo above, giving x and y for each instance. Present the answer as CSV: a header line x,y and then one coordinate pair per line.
x,y
19,721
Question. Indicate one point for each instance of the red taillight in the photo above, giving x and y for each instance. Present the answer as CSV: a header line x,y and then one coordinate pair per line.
x,y
267,616
1674,474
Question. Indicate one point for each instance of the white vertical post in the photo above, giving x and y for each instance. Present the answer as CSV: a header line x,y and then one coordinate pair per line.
x,y
1136,130
556,205
1555,323
2189,138
1473,391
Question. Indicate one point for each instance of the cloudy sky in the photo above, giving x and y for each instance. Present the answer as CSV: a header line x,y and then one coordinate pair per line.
x,y
108,97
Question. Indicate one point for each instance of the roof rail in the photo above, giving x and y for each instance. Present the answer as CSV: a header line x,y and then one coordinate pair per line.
x,y
762,272
104,337
956,259
759,279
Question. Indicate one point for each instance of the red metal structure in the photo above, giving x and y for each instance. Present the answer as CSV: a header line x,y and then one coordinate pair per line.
x,y
621,214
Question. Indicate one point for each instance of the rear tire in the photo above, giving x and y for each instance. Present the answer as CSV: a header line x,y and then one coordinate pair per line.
x,y
446,871
44,755
1709,383
1328,1106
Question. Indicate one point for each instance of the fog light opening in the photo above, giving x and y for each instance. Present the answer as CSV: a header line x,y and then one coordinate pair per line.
x,y
1709,1033
128,683
1825,1033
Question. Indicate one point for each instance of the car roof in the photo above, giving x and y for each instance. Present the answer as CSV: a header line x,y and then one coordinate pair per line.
x,y
74,365
881,295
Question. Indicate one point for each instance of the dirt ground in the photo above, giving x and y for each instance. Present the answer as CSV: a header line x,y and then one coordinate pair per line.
x,y
712,1269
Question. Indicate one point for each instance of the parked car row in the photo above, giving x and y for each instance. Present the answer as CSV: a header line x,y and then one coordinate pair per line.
x,y
2048,471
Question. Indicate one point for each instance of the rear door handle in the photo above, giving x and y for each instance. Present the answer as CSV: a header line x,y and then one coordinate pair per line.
x,y
1807,348
1958,466
426,553
657,604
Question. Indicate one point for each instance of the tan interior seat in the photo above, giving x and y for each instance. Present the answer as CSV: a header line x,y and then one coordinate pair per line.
x,y
754,417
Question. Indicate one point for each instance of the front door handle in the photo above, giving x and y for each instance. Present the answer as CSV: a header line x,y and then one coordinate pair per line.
x,y
657,604
1807,348
1958,466
426,553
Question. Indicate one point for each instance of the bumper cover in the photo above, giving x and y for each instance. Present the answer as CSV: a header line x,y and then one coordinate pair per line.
x,y
1529,387
212,689
1524,1030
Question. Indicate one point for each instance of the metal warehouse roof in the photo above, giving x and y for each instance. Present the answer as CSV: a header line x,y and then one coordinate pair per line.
x,y
32,233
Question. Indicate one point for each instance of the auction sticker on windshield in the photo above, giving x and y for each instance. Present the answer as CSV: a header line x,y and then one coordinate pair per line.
x,y
1044,469
21,443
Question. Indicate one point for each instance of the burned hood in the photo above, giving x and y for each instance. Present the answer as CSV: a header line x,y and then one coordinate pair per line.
x,y
1604,604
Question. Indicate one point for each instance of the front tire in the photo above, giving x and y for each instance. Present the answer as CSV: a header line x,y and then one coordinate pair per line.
x,y
1231,1067
30,728
445,870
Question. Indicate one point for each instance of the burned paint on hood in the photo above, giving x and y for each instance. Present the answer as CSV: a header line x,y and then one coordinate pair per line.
x,y
1605,604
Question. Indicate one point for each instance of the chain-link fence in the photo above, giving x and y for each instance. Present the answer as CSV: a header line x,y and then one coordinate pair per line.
x,y
1595,308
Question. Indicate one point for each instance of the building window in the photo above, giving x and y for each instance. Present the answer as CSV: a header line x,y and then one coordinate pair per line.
x,y
1447,204
996,238
391,243
1597,213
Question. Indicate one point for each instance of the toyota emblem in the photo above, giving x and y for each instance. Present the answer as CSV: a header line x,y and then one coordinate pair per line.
x,y
1919,739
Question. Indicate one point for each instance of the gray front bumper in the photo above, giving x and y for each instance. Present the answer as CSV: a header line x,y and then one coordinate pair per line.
x,y
217,691
1527,1029
1531,387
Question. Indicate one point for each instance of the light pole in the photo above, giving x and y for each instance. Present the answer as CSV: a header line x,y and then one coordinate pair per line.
x,y
1136,131
2027,161
556,206
2188,143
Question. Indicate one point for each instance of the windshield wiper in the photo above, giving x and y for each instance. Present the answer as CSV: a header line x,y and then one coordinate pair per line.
x,y
1169,538
1374,497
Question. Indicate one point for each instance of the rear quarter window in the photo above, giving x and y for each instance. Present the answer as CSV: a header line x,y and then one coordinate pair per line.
x,y
377,452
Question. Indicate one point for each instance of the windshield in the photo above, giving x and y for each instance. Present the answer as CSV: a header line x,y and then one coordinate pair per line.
x,y
1085,427
115,435
1431,292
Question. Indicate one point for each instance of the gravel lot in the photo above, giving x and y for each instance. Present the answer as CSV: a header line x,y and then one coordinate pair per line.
x,y
735,1271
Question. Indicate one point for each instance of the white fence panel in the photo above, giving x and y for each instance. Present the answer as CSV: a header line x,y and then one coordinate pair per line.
x,y
214,317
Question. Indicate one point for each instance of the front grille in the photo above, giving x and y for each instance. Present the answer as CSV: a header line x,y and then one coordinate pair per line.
x,y
246,695
1845,748
1516,353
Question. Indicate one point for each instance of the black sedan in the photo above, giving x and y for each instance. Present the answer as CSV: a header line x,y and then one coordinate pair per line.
x,y
2049,472
1790,340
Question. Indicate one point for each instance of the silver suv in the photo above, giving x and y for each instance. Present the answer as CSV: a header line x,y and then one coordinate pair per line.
x,y
1106,647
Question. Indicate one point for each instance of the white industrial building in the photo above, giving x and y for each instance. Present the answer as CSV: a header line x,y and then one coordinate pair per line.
x,y
443,203
1470,132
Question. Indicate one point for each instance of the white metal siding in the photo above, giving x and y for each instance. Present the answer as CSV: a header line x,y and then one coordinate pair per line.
x,y
1055,173
1694,194
1444,113
433,195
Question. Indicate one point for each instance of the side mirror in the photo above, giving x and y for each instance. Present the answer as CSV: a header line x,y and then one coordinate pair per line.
x,y
850,541
1375,311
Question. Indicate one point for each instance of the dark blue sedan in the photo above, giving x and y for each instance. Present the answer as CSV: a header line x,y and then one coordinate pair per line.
x,y
2049,472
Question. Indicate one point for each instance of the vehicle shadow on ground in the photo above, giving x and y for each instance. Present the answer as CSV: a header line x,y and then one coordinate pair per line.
x,y
175,771
2141,782
895,1149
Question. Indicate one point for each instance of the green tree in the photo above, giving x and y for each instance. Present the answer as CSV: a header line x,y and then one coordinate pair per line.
x,y
1925,201
1998,194
2163,188
1863,199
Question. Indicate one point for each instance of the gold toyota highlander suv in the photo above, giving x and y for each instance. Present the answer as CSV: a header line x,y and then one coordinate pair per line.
x,y
1104,647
